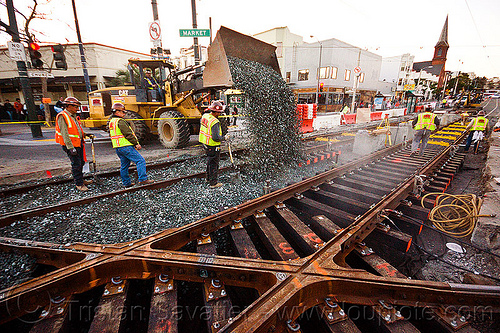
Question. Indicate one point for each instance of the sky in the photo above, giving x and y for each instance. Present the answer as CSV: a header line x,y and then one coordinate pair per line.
x,y
385,27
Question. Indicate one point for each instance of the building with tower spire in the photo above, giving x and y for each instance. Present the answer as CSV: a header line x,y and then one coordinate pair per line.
x,y
437,65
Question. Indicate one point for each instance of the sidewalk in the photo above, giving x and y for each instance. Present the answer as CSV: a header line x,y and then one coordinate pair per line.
x,y
24,158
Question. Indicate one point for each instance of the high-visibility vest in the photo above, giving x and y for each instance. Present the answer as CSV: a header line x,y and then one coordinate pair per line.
x,y
479,124
117,138
426,120
73,126
151,81
206,123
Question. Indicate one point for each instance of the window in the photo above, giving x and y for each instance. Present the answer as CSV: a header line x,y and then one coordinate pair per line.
x,y
306,98
361,77
334,73
279,49
303,75
347,75
440,52
324,72
288,77
334,98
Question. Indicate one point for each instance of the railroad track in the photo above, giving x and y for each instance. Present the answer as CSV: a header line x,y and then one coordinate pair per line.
x,y
306,257
313,144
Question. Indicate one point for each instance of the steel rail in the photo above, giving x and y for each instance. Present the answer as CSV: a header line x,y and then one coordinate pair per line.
x,y
321,274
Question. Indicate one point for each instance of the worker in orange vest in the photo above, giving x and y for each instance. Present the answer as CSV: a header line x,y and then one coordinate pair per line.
x,y
70,135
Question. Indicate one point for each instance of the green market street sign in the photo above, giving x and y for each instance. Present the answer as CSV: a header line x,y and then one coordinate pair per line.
x,y
194,32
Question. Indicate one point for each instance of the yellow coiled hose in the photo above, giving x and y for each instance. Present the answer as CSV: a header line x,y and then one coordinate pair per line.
x,y
455,215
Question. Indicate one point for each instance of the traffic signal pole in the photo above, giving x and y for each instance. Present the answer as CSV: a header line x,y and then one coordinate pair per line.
x,y
36,129
82,53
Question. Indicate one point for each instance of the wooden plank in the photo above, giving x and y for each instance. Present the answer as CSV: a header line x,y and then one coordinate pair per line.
x,y
385,269
363,186
110,311
349,205
314,207
54,318
308,241
374,181
217,303
163,311
275,243
345,325
242,242
352,193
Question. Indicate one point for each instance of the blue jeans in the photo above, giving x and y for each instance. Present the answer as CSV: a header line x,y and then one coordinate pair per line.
x,y
129,154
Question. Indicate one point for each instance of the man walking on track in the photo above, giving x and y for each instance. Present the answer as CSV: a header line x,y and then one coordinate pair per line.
x,y
126,144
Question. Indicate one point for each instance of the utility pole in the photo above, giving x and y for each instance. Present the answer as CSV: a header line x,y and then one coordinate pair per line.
x,y
82,53
195,39
159,47
36,129
355,84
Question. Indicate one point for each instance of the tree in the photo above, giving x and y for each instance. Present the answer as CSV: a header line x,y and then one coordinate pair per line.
x,y
122,78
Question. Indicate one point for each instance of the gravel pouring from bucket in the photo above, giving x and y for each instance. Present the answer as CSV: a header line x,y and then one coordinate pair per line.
x,y
231,43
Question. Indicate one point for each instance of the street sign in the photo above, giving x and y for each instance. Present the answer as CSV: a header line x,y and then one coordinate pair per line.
x,y
194,32
41,74
357,70
155,31
16,51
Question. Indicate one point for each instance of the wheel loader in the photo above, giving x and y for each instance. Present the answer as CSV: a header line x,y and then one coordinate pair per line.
x,y
173,110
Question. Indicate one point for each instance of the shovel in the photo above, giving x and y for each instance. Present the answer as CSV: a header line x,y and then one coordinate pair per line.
x,y
235,173
93,164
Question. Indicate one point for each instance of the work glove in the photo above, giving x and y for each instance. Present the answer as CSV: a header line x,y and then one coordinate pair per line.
x,y
227,137
90,136
73,151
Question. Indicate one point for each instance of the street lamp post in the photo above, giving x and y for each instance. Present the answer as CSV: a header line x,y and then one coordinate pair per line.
x,y
319,68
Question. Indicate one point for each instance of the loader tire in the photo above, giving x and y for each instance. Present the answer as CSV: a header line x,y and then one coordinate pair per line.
x,y
173,133
140,128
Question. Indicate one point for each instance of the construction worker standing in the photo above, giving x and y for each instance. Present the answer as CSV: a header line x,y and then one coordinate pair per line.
x,y
70,135
424,124
478,126
211,138
126,144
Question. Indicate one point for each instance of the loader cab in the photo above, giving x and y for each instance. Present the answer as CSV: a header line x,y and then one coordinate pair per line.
x,y
160,69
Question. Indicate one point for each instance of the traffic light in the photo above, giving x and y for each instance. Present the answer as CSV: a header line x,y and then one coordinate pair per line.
x,y
59,57
35,55
321,86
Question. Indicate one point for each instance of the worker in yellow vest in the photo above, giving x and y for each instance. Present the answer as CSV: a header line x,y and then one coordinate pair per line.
x,y
70,135
126,144
424,124
478,128
211,138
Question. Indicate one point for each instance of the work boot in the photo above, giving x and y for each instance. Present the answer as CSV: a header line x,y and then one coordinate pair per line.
x,y
88,182
82,188
130,185
146,182
216,185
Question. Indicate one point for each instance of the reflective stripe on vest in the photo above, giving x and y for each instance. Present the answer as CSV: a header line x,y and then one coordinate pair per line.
x,y
426,120
479,124
73,132
117,138
206,123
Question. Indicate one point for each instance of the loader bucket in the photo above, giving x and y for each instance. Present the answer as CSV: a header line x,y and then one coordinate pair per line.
x,y
228,42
